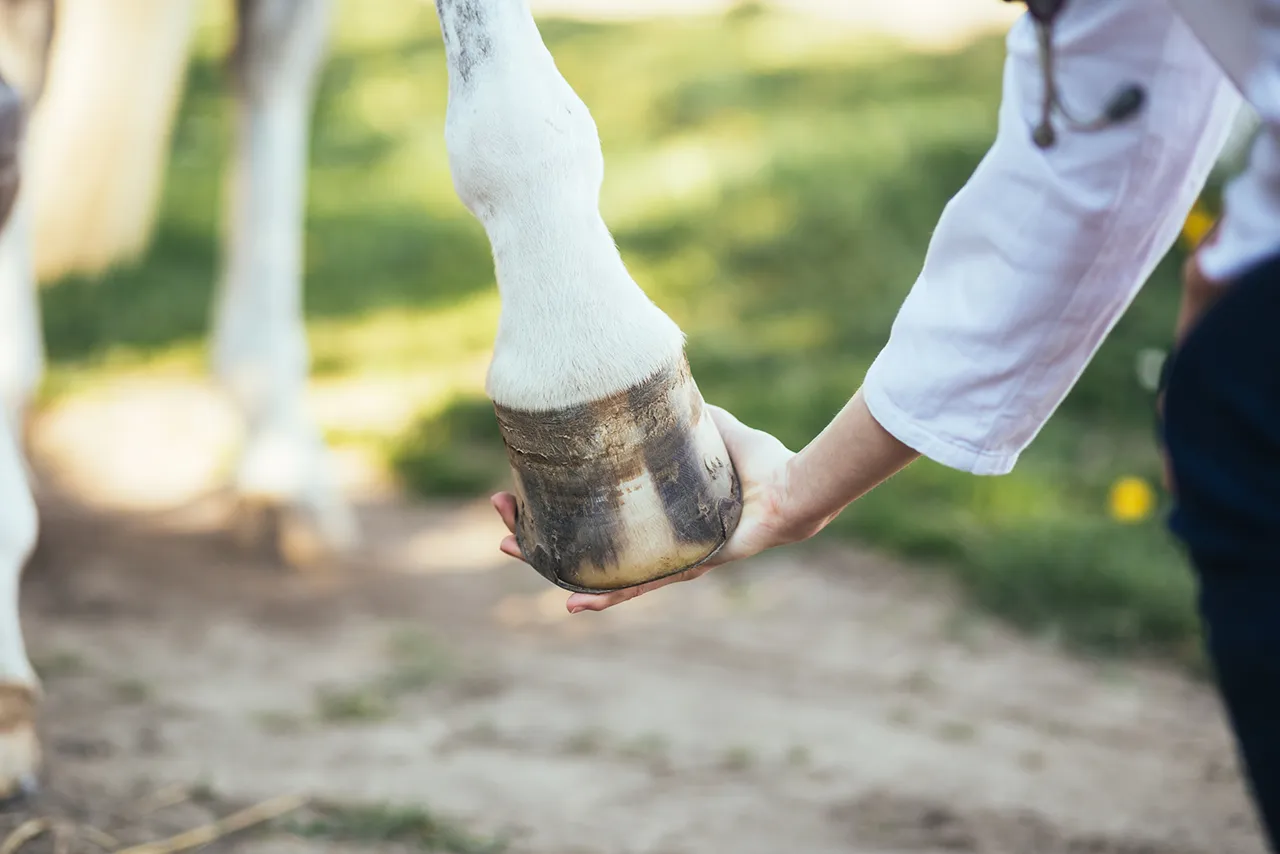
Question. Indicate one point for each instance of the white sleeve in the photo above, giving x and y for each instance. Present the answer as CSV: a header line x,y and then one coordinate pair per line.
x,y
1250,226
1035,259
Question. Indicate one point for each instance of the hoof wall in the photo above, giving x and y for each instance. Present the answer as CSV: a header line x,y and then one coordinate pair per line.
x,y
622,491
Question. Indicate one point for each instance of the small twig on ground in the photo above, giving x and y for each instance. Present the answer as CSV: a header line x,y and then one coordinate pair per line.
x,y
63,833
100,838
25,832
168,796
246,818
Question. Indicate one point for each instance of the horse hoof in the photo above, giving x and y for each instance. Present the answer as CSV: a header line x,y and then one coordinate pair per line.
x,y
300,538
628,489
19,744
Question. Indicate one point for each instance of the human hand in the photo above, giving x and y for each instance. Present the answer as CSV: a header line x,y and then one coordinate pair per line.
x,y
1199,293
761,462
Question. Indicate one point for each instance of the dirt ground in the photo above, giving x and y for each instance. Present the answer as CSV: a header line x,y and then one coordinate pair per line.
x,y
820,700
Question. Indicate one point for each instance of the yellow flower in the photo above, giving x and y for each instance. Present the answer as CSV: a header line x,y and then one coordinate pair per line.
x,y
1196,227
1131,500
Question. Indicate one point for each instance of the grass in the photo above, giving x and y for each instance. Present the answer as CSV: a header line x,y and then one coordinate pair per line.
x,y
413,827
455,451
59,664
772,184
415,664
131,691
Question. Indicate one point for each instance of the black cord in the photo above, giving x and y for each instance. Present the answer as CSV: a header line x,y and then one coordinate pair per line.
x,y
1123,104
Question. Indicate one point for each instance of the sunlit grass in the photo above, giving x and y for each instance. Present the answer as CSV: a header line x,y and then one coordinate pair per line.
x,y
391,340
772,183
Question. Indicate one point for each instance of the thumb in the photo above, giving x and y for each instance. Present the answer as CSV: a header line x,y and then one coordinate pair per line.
x,y
738,436
728,424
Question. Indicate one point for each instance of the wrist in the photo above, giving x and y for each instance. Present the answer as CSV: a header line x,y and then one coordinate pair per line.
x,y
799,515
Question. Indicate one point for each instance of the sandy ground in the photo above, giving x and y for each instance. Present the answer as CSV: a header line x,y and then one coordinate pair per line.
x,y
820,700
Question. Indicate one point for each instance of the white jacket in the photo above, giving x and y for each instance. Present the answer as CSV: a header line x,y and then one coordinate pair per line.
x,y
1038,255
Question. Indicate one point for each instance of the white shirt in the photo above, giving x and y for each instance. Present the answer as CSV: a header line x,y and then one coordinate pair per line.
x,y
1039,254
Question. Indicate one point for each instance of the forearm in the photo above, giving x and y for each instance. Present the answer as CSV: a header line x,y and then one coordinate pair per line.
x,y
848,459
1030,266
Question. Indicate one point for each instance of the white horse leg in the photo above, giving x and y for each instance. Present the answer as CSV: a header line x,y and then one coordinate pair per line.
x,y
21,337
19,688
21,366
25,27
621,476
21,360
260,347
25,31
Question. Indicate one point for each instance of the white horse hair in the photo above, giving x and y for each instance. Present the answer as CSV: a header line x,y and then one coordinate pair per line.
x,y
526,161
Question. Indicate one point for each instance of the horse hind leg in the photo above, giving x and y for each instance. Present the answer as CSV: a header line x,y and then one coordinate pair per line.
x,y
25,29
19,685
285,476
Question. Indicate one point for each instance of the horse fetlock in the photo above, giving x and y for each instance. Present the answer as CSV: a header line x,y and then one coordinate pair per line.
x,y
626,489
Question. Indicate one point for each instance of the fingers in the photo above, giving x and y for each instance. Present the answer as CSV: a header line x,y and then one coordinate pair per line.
x,y
601,601
505,504
726,422
733,431
509,546
740,438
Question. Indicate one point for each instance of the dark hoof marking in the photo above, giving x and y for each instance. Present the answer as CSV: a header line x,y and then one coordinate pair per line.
x,y
626,490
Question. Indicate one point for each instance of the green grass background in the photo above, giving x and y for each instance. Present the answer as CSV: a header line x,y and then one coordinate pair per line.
x,y
772,183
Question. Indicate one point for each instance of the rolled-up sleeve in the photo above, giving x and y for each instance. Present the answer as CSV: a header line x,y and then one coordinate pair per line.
x,y
1038,255
1250,227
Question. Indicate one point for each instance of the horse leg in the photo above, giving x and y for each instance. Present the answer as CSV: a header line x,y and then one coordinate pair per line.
x,y
260,346
19,687
25,30
21,338
621,476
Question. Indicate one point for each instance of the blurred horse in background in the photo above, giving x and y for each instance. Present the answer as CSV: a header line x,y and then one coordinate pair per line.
x,y
90,94
102,79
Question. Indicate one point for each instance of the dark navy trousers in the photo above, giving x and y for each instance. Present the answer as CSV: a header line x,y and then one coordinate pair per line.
x,y
1221,431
